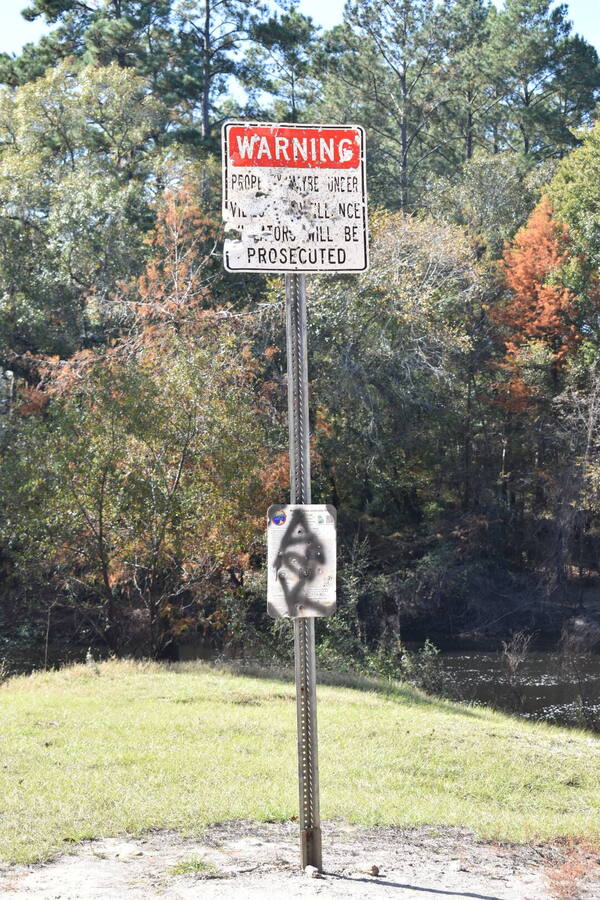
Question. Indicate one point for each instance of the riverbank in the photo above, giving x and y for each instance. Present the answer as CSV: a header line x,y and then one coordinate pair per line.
x,y
549,686
123,747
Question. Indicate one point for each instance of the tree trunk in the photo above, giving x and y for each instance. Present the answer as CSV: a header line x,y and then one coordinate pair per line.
x,y
469,134
404,168
404,196
468,443
206,74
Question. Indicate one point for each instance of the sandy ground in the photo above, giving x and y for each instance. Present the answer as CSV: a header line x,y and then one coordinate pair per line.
x,y
262,861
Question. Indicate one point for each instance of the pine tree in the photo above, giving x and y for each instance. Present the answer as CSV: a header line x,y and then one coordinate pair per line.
x,y
209,37
279,63
186,50
131,33
547,80
467,71
379,70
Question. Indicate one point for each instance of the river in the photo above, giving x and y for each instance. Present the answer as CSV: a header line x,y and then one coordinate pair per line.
x,y
545,687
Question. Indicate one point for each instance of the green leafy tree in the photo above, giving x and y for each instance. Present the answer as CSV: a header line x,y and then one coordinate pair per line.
x,y
390,349
144,462
575,193
76,159
138,488
492,194
575,197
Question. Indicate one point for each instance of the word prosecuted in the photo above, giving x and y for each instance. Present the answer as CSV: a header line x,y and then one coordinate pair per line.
x,y
294,198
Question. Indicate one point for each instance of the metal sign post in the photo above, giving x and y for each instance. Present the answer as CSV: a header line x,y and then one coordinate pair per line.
x,y
295,201
304,628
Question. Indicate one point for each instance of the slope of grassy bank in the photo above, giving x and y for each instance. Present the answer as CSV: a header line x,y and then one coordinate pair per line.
x,y
127,747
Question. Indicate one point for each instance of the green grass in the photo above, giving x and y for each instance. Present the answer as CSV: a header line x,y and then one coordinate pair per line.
x,y
191,865
140,746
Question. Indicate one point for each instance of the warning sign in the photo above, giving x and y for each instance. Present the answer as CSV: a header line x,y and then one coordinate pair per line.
x,y
294,198
301,543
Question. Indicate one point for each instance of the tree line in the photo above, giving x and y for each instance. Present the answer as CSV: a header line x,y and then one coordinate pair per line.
x,y
455,388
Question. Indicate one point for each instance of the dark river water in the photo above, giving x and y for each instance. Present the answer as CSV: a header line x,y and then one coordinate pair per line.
x,y
545,687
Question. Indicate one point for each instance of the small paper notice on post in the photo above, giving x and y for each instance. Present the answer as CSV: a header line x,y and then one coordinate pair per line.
x,y
301,543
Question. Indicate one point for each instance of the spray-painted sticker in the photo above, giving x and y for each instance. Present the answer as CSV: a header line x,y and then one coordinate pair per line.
x,y
301,542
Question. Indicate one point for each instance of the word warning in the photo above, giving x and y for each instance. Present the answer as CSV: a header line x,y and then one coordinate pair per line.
x,y
294,198
301,544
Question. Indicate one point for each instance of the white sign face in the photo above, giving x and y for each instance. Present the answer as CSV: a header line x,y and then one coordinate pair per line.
x,y
301,544
294,198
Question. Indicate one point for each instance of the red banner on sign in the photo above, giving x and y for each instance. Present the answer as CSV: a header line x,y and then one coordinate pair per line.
x,y
297,148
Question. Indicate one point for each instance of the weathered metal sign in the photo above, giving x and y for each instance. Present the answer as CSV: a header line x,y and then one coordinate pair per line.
x,y
294,198
301,542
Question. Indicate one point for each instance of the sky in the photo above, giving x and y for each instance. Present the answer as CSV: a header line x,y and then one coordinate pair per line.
x,y
585,15
15,31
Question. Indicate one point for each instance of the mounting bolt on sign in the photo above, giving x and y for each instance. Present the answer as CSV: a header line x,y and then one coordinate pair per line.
x,y
295,201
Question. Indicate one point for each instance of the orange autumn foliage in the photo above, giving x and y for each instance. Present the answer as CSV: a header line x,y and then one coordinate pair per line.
x,y
173,294
270,353
177,281
275,476
536,310
34,401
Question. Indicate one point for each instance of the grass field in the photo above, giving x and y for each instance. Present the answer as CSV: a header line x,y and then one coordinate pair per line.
x,y
128,747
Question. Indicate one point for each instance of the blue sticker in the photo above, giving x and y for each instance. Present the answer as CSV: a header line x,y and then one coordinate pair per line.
x,y
279,518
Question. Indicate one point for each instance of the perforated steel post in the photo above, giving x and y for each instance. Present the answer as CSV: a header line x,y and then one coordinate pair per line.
x,y
304,628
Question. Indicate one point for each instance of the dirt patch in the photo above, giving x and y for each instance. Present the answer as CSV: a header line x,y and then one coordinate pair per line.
x,y
247,861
